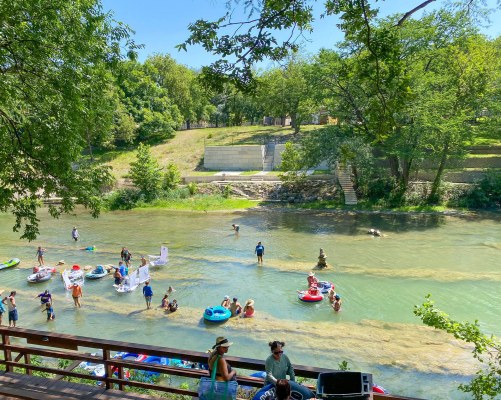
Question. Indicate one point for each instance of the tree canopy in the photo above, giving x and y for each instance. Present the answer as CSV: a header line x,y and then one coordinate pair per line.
x,y
53,58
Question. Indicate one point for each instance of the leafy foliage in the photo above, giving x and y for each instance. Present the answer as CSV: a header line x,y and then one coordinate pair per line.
x,y
145,173
123,199
487,349
192,187
55,58
485,194
292,165
171,178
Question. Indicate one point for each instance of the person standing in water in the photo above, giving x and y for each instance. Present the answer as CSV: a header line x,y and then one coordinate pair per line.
x,y
337,303
236,228
148,294
74,234
40,252
76,293
259,252
10,301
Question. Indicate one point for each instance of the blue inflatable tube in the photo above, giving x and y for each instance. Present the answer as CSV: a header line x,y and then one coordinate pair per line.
x,y
155,360
260,374
298,392
217,314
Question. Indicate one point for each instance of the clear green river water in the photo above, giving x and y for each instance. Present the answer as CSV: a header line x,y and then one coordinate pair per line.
x,y
456,259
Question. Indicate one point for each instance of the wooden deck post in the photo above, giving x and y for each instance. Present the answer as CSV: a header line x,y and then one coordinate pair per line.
x,y
27,360
7,354
107,369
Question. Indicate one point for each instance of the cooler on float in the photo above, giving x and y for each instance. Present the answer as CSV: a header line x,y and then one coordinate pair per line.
x,y
344,385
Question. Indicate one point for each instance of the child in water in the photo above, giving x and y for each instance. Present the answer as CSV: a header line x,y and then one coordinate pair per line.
x,y
50,311
337,303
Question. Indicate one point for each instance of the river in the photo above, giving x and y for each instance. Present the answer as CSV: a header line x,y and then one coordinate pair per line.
x,y
456,259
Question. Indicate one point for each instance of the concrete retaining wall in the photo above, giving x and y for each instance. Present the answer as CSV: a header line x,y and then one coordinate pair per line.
x,y
234,158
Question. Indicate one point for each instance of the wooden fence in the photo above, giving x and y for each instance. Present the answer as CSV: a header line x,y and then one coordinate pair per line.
x,y
19,345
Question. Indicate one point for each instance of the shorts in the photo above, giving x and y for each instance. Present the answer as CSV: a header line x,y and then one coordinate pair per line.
x,y
148,298
75,297
259,254
117,281
13,315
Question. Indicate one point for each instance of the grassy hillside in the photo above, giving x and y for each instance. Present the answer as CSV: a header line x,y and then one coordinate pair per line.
x,y
186,148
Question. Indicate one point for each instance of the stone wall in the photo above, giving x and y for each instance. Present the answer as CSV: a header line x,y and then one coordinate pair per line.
x,y
276,191
234,158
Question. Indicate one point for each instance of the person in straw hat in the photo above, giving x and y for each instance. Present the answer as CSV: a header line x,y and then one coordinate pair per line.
x,y
248,309
312,279
224,372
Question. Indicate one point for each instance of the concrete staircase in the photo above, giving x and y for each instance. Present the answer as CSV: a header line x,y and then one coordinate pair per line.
x,y
269,157
344,178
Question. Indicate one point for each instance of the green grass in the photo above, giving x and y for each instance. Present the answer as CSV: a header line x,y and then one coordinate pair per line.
x,y
186,148
482,155
203,173
322,172
364,206
201,203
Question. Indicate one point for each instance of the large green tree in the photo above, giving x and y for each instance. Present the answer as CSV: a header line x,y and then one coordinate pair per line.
x,y
247,33
288,91
52,54
147,102
182,86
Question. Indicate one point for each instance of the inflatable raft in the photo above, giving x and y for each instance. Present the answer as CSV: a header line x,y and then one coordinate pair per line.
x,y
97,273
76,275
10,264
217,314
308,297
324,286
41,276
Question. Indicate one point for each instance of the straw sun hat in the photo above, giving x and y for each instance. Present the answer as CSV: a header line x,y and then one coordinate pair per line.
x,y
221,341
249,303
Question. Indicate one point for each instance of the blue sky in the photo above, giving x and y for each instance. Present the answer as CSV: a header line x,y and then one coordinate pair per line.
x,y
162,24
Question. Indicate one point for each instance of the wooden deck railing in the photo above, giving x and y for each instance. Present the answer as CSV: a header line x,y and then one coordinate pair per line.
x,y
18,345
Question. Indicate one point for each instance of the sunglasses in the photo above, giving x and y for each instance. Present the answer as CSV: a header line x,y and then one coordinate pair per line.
x,y
278,352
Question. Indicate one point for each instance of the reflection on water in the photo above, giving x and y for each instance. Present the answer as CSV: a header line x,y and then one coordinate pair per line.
x,y
379,279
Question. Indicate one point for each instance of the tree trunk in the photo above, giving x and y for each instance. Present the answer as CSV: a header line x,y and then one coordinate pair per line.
x,y
394,167
438,177
282,121
89,144
188,124
406,170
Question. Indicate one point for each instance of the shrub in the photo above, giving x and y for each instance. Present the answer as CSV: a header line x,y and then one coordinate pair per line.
x,y
485,194
172,177
123,199
192,188
145,173
227,191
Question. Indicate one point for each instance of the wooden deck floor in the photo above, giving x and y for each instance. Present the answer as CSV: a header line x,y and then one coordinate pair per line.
x,y
26,387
